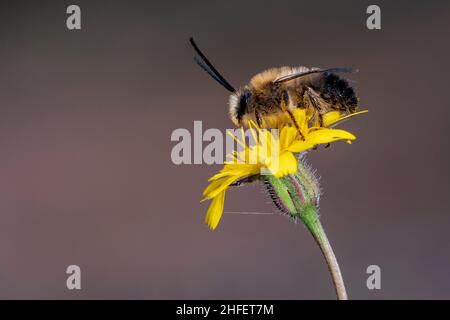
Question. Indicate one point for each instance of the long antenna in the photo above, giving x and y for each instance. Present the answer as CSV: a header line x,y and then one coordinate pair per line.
x,y
209,68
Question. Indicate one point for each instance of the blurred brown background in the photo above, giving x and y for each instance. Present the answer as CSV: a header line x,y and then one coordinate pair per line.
x,y
86,176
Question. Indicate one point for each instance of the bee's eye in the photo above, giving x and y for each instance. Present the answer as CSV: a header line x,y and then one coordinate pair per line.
x,y
243,102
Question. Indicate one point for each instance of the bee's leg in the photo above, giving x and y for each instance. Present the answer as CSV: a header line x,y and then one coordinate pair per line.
x,y
317,103
320,117
295,124
244,181
317,119
284,107
320,123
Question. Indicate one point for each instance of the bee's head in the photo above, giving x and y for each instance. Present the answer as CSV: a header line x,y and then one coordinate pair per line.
x,y
238,104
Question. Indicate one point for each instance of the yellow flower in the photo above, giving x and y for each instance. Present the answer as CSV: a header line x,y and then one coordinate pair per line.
x,y
271,154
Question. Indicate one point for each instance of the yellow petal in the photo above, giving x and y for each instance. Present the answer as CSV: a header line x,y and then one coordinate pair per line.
x,y
268,144
287,137
320,136
229,174
299,115
218,186
284,165
301,118
300,146
233,169
335,117
212,187
228,170
329,135
241,143
215,211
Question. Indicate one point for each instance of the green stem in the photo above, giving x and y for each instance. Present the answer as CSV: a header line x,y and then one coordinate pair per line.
x,y
298,195
312,222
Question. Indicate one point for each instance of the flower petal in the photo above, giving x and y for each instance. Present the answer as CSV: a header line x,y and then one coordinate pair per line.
x,y
215,210
300,146
215,185
218,186
320,136
284,165
335,117
329,135
232,169
287,136
301,118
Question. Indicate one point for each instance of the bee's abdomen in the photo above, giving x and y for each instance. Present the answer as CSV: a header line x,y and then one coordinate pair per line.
x,y
338,92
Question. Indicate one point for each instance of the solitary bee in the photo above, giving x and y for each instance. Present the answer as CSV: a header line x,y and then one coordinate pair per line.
x,y
271,95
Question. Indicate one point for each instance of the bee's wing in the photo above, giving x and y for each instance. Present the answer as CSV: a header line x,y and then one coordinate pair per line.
x,y
302,74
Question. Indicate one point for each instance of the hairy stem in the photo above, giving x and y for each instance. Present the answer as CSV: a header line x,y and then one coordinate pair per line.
x,y
312,222
298,196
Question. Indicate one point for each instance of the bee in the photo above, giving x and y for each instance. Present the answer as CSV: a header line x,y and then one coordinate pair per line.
x,y
271,96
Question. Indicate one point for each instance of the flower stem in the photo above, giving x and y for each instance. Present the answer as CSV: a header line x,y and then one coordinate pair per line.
x,y
298,196
312,222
